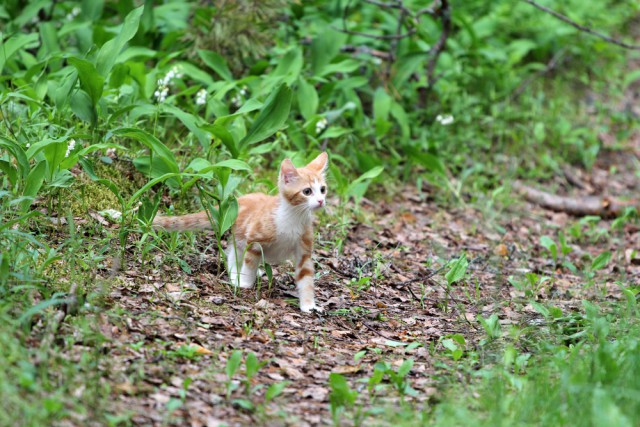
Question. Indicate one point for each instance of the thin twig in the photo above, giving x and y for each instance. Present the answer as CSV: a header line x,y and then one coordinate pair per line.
x,y
445,15
364,50
582,28
345,30
374,331
555,60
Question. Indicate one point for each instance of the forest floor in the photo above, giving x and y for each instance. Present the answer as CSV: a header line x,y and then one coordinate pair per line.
x,y
169,335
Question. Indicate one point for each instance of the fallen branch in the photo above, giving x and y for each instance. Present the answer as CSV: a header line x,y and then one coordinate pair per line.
x,y
603,206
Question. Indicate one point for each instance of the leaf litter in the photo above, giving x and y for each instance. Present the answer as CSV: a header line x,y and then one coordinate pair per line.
x,y
168,335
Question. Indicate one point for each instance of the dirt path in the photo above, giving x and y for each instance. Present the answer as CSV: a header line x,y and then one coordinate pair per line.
x,y
385,292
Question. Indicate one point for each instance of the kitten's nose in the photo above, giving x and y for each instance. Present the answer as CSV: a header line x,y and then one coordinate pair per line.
x,y
320,202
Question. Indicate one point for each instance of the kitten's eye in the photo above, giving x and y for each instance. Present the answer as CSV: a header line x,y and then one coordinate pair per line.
x,y
323,189
307,191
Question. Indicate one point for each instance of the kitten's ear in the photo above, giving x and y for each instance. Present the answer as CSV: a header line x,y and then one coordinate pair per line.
x,y
288,172
320,163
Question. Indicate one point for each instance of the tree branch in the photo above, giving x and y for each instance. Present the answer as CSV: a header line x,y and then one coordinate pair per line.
x,y
582,28
445,15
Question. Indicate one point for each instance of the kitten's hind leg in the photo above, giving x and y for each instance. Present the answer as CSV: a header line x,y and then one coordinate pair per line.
x,y
250,266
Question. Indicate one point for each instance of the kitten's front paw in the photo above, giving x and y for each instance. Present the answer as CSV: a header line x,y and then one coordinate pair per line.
x,y
246,284
308,308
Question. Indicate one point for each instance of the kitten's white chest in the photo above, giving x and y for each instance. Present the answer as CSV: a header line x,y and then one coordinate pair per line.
x,y
290,226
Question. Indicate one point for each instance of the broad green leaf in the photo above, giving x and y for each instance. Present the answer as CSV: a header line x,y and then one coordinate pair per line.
x,y
381,104
290,66
344,67
92,9
14,43
271,118
57,299
4,271
10,171
324,47
19,154
83,107
198,164
191,122
216,62
233,363
402,118
307,98
550,245
221,132
631,77
275,390
36,147
61,178
33,184
109,52
237,165
458,270
244,404
55,154
228,215
370,174
49,37
449,344
90,80
147,186
252,365
404,369
601,261
153,143
428,160
335,132
341,393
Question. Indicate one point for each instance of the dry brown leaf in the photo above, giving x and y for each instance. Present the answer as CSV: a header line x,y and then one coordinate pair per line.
x,y
501,250
346,369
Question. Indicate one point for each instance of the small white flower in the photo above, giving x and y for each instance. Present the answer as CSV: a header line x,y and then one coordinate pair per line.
x,y
243,91
74,12
201,97
161,93
70,146
236,101
445,119
176,72
321,125
28,145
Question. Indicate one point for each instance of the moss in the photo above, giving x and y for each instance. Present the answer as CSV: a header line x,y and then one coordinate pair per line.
x,y
86,194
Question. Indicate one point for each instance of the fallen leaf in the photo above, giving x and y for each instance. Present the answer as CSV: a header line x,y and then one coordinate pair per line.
x,y
501,250
346,369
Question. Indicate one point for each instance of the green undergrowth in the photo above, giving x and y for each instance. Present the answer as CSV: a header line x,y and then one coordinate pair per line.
x,y
590,381
111,113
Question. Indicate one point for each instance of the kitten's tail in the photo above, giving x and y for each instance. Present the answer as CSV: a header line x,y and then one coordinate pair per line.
x,y
190,222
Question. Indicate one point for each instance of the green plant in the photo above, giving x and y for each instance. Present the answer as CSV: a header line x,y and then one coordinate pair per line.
x,y
491,326
341,398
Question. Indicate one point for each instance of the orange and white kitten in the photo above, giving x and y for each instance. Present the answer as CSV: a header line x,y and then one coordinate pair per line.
x,y
277,227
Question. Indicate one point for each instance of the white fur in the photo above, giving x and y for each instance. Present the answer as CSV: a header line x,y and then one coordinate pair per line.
x,y
291,222
305,293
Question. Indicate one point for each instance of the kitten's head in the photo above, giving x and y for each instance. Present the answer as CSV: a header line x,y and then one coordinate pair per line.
x,y
305,187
